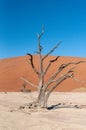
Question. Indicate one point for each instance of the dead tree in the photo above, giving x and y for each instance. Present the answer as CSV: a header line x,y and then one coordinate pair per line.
x,y
43,88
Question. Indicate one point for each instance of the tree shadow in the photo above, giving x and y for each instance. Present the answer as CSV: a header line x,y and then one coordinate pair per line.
x,y
63,105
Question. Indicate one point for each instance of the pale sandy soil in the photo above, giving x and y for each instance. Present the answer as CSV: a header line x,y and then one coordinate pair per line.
x,y
65,117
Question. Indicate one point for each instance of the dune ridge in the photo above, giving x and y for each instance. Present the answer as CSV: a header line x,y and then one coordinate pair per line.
x,y
12,69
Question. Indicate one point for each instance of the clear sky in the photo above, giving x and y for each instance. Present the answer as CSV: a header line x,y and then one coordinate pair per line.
x,y
64,20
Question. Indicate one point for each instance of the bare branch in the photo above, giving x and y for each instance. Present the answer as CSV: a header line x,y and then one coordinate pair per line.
x,y
54,59
51,51
32,64
65,65
39,51
27,81
50,62
68,74
40,35
58,71
77,80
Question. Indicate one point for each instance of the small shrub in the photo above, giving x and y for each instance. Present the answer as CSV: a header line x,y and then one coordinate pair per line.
x,y
24,89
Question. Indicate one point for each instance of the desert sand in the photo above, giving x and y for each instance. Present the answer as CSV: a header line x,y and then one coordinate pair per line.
x,y
12,69
62,117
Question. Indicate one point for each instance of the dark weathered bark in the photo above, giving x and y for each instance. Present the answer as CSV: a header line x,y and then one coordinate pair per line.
x,y
32,64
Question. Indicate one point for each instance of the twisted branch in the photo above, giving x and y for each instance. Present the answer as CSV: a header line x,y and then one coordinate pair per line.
x,y
68,74
32,64
49,64
63,66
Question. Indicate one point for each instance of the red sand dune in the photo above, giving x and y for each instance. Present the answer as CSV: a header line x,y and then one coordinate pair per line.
x,y
12,69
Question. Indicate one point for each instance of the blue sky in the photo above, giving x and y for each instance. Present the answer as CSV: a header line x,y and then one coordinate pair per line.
x,y
64,20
